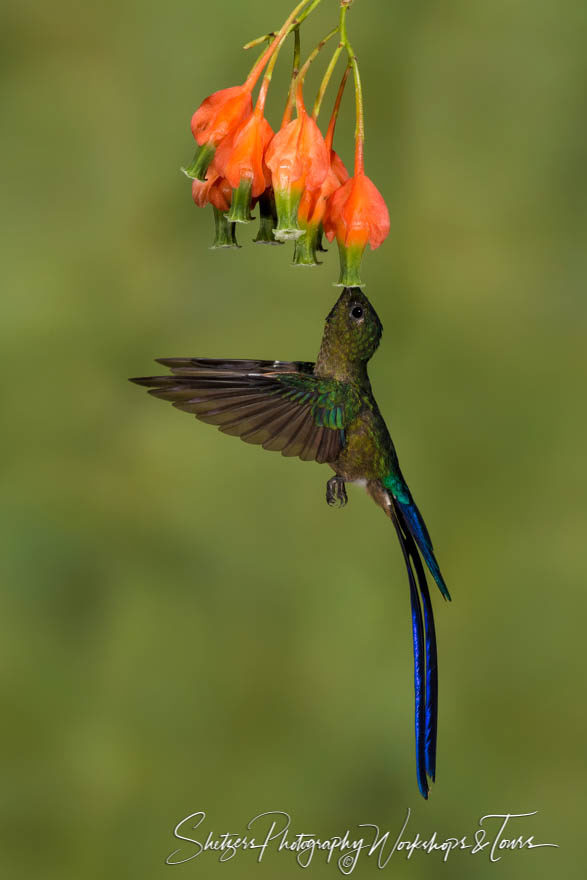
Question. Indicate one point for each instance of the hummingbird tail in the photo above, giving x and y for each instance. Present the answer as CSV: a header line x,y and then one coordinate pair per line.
x,y
417,528
424,641
414,521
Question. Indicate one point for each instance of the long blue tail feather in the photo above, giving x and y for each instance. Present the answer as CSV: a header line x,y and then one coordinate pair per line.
x,y
420,686
425,675
431,667
393,495
417,527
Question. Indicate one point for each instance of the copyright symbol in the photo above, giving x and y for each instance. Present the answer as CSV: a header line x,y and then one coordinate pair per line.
x,y
347,861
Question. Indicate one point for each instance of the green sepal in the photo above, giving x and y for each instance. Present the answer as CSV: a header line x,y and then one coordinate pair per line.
x,y
200,163
267,219
240,208
225,232
305,248
287,204
350,265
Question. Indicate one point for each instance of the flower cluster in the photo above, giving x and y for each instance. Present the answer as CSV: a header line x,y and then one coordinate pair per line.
x,y
294,176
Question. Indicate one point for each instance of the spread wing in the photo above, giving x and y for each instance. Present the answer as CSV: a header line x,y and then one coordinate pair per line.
x,y
280,405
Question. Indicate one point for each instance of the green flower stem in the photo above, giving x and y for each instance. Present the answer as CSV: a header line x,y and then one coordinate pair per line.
x,y
332,124
311,57
360,114
326,80
290,22
299,78
289,104
262,97
272,34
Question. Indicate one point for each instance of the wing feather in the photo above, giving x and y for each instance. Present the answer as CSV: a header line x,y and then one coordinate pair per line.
x,y
281,440
297,442
280,405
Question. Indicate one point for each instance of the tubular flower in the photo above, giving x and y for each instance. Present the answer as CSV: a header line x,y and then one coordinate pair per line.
x,y
310,217
299,182
241,162
356,215
216,191
217,117
338,167
298,159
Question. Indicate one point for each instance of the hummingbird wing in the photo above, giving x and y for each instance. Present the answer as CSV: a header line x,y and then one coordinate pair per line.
x,y
280,405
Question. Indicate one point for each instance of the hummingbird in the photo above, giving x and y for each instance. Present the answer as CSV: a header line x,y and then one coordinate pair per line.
x,y
326,412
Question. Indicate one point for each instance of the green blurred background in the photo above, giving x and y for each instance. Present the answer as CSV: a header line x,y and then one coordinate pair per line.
x,y
185,624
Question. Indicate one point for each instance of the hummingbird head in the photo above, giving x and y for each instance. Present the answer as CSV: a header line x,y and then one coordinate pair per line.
x,y
353,327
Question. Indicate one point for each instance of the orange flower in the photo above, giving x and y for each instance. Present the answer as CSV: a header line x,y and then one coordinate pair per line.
x,y
357,215
310,216
313,201
298,159
216,119
221,113
215,190
312,210
240,160
338,167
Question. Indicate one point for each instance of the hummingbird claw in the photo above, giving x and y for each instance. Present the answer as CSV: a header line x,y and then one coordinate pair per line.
x,y
335,492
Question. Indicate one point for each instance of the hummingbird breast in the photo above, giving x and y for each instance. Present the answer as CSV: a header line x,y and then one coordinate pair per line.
x,y
368,450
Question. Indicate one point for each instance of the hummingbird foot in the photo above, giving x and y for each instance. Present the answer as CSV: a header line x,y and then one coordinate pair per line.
x,y
335,492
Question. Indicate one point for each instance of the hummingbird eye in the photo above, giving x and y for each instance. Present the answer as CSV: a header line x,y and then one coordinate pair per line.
x,y
356,312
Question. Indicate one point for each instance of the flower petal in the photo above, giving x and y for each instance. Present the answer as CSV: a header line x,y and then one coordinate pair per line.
x,y
221,113
245,159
